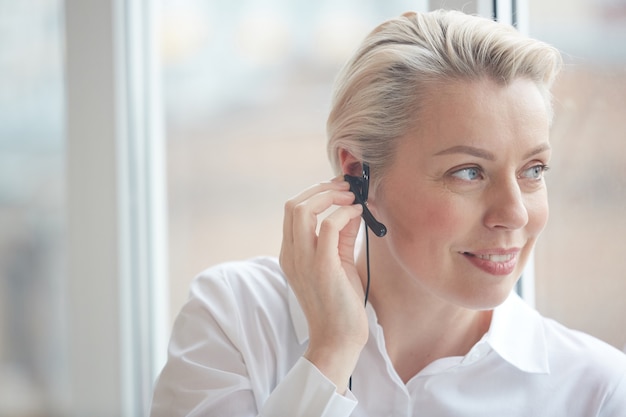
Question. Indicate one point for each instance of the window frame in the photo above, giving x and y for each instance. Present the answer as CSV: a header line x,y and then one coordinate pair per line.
x,y
116,283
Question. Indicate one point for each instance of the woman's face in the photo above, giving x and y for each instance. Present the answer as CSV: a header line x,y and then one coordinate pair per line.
x,y
465,199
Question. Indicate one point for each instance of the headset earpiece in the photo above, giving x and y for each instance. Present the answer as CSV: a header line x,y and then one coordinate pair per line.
x,y
360,188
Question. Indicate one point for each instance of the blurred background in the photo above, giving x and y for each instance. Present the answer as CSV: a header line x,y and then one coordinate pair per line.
x,y
246,88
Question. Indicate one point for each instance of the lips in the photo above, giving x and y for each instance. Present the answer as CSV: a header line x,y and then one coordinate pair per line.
x,y
494,261
493,257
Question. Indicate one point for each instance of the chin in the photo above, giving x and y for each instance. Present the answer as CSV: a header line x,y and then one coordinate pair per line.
x,y
486,298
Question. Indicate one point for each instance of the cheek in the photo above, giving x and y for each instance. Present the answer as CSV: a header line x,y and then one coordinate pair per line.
x,y
428,221
538,213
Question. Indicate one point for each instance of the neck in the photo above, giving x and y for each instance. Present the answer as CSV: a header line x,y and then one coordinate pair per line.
x,y
419,327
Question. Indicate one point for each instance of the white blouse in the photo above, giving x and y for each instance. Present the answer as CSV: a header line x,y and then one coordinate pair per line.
x,y
236,350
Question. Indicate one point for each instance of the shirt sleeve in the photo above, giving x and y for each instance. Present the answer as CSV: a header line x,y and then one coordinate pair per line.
x,y
305,391
211,371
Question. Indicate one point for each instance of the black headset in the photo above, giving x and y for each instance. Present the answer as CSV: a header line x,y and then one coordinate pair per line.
x,y
360,187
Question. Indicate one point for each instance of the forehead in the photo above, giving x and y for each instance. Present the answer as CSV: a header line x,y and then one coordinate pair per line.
x,y
485,92
481,112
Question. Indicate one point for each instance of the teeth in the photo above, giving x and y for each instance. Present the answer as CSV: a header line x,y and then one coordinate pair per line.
x,y
496,258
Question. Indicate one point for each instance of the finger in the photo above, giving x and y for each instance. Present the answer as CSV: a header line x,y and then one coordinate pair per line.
x,y
305,215
334,184
338,232
287,247
348,237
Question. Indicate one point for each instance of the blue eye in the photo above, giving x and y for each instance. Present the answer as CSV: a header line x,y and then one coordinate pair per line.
x,y
468,174
535,172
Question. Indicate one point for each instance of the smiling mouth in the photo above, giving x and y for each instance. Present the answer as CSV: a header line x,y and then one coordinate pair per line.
x,y
493,257
499,264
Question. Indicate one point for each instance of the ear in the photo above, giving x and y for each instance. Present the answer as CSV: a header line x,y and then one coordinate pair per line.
x,y
349,163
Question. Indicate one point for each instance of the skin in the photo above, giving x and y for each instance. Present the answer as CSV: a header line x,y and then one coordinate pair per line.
x,y
464,201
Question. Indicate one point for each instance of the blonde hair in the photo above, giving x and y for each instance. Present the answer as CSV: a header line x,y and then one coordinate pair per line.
x,y
379,92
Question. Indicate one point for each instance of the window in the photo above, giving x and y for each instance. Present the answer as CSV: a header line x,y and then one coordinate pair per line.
x,y
246,109
580,265
33,354
247,89
81,261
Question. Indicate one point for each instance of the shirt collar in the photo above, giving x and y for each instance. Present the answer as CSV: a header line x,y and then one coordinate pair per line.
x,y
516,333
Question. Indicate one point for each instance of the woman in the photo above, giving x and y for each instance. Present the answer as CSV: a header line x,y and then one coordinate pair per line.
x,y
449,114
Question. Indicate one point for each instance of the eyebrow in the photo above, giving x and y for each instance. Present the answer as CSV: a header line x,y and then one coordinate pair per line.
x,y
541,148
469,150
484,154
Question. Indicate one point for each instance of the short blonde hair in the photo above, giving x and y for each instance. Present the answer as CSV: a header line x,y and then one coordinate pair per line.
x,y
379,91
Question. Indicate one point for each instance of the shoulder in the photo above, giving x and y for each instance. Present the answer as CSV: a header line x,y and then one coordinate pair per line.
x,y
246,301
574,344
254,279
240,293
565,349
253,269
234,332
586,361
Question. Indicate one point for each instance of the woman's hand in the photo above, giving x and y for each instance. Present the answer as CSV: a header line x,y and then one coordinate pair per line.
x,y
321,270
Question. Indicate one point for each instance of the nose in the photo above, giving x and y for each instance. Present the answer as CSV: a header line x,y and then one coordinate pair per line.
x,y
506,208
